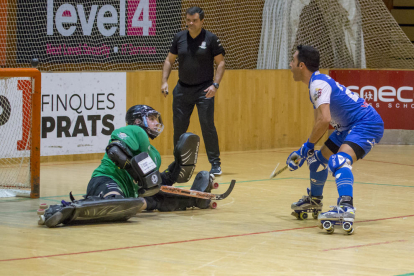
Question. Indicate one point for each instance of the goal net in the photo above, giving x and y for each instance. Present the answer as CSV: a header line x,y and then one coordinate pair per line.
x,y
347,33
19,132
104,35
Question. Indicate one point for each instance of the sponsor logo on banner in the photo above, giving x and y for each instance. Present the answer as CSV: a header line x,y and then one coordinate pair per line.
x,y
80,111
121,31
391,93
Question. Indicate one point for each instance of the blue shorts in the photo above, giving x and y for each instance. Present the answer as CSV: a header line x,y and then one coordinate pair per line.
x,y
364,134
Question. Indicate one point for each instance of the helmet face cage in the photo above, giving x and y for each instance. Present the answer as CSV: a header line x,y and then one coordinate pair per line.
x,y
145,113
153,115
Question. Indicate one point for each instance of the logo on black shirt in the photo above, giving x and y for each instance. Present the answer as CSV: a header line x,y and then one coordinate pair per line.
x,y
203,45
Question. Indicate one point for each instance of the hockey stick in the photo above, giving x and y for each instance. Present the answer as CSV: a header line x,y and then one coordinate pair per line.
x,y
198,194
275,173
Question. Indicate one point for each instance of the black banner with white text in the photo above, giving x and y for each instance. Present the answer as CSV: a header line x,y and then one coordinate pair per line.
x,y
96,31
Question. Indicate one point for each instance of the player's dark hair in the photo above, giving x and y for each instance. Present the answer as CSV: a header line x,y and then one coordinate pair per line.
x,y
310,56
194,10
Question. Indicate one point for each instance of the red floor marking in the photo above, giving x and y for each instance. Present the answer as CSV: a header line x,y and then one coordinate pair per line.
x,y
183,241
155,244
369,220
369,244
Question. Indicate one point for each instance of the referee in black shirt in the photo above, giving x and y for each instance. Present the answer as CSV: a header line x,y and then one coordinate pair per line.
x,y
197,50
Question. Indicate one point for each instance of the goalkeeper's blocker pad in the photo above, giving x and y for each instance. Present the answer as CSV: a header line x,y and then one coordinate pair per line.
x,y
149,177
186,153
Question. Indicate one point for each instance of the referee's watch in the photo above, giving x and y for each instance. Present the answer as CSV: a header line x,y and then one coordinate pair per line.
x,y
216,85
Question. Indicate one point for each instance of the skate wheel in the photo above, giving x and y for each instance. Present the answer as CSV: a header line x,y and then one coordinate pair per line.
x,y
327,225
41,212
347,226
41,220
303,215
351,231
43,206
330,231
213,205
215,185
315,215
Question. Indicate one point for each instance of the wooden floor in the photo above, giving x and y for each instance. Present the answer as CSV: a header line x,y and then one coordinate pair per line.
x,y
250,233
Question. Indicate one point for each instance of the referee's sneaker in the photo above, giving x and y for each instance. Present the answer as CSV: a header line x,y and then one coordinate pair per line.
x,y
216,169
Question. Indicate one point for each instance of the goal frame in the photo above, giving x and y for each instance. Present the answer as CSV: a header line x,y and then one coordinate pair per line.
x,y
36,82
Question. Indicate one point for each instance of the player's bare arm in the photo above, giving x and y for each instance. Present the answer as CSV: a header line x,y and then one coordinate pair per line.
x,y
322,119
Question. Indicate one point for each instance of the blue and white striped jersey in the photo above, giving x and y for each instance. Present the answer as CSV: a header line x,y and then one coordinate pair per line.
x,y
346,107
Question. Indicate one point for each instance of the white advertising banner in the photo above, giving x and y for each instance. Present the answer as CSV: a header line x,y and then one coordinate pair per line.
x,y
80,111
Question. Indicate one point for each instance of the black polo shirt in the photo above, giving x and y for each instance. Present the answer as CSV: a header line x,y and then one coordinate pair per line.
x,y
196,56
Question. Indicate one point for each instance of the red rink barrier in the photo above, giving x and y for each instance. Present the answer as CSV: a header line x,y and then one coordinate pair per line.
x,y
390,92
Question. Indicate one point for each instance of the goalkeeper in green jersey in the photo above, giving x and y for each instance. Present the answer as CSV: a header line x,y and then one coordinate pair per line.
x,y
128,181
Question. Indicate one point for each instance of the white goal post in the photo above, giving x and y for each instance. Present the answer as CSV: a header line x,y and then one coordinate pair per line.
x,y
20,95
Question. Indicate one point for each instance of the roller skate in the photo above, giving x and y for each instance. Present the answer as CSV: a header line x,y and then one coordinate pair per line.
x,y
343,214
307,204
55,214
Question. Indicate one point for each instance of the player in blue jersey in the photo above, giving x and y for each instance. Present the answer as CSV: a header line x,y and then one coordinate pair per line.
x,y
358,127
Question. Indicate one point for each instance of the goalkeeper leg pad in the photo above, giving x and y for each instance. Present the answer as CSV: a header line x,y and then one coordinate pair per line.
x,y
93,209
203,182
